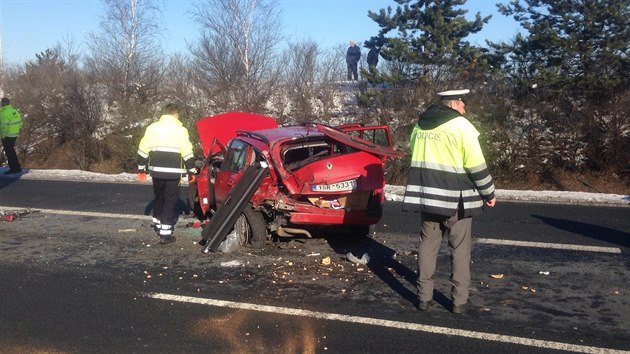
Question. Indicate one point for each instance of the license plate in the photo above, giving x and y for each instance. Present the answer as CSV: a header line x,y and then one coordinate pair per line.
x,y
335,187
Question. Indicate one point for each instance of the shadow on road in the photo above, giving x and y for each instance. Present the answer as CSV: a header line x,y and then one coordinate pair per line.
x,y
6,180
180,208
588,230
382,264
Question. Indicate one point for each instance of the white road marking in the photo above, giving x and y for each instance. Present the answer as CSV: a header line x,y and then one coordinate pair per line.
x,y
559,246
387,323
78,213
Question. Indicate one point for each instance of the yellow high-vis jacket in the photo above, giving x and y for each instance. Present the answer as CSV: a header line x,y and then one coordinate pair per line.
x,y
448,170
166,149
10,122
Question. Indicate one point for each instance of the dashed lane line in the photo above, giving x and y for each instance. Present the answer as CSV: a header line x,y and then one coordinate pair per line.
x,y
387,323
559,246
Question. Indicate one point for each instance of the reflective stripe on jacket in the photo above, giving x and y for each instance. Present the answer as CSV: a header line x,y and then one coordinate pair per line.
x,y
10,122
166,148
448,169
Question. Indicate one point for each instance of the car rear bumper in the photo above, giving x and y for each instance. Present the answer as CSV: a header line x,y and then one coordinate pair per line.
x,y
334,217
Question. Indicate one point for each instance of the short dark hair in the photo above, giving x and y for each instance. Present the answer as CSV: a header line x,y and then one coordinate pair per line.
x,y
5,101
171,108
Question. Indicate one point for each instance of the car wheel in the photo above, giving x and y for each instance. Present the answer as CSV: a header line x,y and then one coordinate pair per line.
x,y
193,202
250,228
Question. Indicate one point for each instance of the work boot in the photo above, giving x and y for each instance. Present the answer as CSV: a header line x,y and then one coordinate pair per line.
x,y
156,225
424,305
458,309
166,241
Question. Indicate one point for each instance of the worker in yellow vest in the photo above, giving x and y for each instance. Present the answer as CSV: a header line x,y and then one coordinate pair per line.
x,y
10,126
448,184
167,153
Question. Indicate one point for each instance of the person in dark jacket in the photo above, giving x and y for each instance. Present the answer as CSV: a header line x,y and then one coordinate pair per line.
x,y
372,58
353,54
448,184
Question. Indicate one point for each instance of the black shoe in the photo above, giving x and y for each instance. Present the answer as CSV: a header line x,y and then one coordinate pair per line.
x,y
166,241
459,309
424,305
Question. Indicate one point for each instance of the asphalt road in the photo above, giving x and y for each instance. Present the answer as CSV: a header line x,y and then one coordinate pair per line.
x,y
90,277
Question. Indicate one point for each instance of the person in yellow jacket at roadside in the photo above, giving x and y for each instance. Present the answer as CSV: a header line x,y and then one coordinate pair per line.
x,y
166,151
448,183
10,125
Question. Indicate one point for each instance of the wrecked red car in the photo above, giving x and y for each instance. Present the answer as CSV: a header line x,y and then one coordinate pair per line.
x,y
314,175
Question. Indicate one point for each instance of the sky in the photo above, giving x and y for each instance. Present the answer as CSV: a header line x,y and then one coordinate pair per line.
x,y
29,27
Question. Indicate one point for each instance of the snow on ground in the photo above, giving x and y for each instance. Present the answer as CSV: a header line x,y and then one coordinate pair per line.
x,y
391,192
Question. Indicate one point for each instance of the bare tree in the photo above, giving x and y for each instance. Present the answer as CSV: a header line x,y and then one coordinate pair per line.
x,y
125,55
235,57
61,110
309,77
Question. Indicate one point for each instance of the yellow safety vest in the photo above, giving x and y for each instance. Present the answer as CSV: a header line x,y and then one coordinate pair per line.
x,y
10,122
448,170
166,148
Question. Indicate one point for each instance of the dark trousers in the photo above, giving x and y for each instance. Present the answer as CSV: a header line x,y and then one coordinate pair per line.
x,y
166,192
9,149
352,71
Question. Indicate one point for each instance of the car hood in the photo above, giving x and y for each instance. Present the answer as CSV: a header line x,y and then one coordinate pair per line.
x,y
224,126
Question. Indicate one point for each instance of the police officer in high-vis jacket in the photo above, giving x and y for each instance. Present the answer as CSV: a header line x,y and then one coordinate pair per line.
x,y
167,152
10,125
448,183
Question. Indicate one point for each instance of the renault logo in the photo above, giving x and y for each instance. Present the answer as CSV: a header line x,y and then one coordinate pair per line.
x,y
329,165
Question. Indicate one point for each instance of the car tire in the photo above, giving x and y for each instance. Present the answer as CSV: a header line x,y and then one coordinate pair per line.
x,y
257,230
193,202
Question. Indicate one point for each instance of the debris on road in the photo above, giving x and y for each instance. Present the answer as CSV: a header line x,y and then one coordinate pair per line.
x,y
12,215
230,244
365,259
231,264
496,276
126,230
9,217
543,273
194,224
326,261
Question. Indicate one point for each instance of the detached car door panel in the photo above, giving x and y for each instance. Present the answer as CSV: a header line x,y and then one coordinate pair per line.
x,y
239,155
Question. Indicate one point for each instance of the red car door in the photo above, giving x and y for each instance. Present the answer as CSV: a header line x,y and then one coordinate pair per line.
x,y
239,155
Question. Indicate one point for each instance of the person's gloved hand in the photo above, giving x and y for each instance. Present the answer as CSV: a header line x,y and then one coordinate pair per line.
x,y
192,175
142,176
